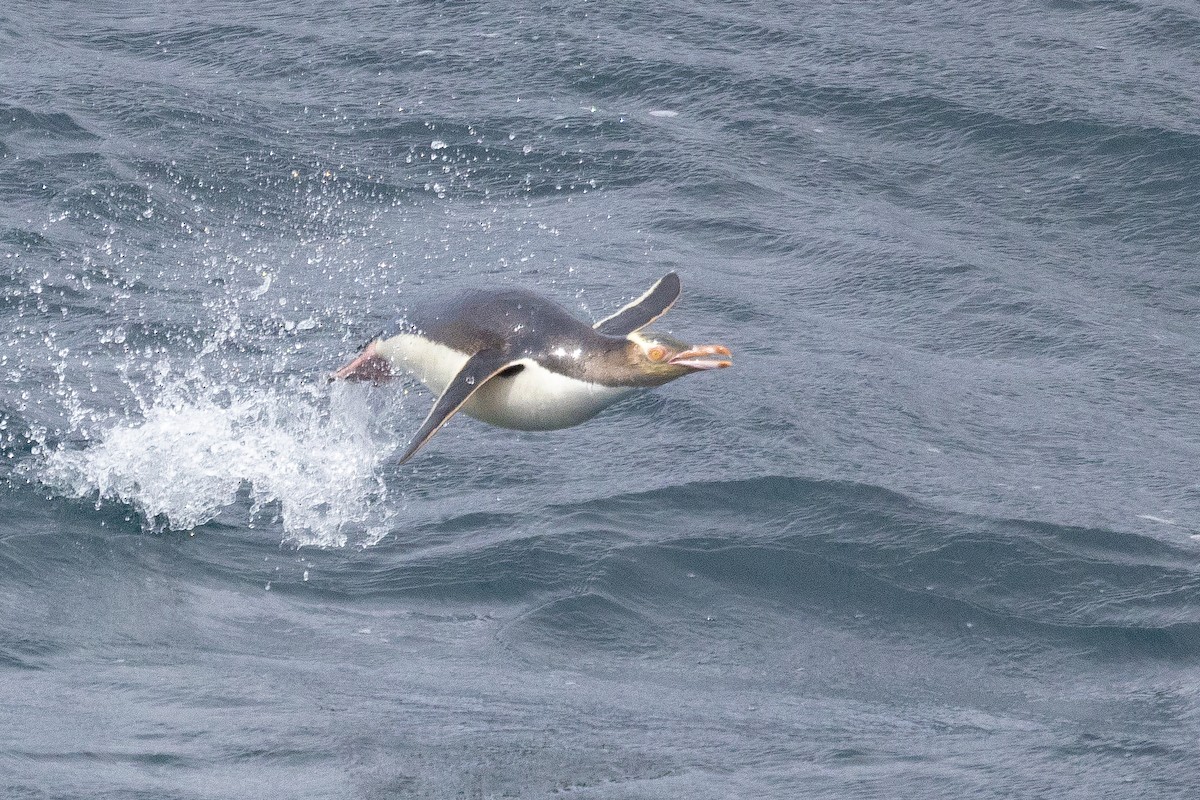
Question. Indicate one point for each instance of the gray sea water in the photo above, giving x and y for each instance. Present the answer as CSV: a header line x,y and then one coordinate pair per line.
x,y
936,534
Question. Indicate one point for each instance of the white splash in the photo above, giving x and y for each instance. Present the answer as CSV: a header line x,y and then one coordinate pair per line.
x,y
304,453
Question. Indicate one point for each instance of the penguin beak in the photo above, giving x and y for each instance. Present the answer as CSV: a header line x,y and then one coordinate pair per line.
x,y
702,357
368,366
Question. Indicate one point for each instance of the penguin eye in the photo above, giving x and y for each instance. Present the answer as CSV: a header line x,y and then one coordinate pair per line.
x,y
656,353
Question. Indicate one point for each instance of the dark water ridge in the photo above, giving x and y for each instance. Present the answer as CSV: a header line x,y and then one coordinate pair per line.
x,y
854,550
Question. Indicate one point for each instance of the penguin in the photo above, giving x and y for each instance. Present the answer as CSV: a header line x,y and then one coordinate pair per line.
x,y
515,359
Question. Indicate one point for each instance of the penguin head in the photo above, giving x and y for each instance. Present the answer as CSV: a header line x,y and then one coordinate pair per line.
x,y
659,358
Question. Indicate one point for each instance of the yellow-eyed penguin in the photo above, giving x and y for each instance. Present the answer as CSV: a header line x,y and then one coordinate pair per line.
x,y
517,360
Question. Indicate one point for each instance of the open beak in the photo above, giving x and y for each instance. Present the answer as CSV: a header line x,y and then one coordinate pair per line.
x,y
367,366
703,357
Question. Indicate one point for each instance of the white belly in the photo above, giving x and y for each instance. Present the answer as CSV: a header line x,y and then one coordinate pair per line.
x,y
534,399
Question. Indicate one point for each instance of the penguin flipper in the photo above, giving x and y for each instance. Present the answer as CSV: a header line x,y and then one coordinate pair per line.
x,y
641,312
479,368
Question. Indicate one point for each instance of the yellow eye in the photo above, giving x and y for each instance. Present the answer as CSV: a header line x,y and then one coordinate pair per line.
x,y
656,353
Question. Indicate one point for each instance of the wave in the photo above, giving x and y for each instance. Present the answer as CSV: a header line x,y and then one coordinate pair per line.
x,y
602,572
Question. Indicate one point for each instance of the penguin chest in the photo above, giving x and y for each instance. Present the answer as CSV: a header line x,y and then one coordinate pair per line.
x,y
531,398
432,363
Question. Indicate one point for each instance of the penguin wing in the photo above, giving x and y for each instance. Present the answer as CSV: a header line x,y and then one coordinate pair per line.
x,y
641,312
477,371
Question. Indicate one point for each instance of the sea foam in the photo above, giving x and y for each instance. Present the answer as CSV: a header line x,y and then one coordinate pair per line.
x,y
302,454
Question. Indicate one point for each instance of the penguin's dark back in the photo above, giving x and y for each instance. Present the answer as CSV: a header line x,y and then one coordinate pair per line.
x,y
512,319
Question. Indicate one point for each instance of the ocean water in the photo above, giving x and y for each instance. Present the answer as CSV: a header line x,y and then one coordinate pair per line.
x,y
936,534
